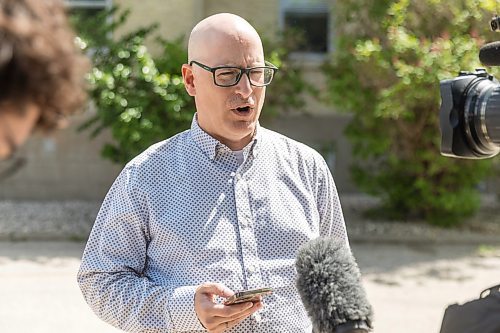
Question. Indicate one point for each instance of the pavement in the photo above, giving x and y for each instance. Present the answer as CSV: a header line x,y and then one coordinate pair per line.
x,y
409,286
410,271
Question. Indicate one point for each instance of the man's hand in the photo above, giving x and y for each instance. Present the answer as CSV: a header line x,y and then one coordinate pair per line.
x,y
217,318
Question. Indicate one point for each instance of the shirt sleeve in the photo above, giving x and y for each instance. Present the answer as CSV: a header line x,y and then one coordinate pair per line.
x,y
332,222
112,274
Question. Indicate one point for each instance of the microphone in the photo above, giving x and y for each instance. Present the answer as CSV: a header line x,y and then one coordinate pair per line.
x,y
329,284
489,54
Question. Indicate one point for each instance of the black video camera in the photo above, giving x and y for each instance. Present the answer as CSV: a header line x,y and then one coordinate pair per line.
x,y
470,109
470,115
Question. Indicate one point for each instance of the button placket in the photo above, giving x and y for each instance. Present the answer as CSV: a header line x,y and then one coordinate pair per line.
x,y
247,235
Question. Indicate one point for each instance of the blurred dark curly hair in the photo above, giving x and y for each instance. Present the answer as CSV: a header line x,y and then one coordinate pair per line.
x,y
39,60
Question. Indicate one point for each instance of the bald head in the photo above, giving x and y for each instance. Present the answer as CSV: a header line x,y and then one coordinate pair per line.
x,y
226,111
218,31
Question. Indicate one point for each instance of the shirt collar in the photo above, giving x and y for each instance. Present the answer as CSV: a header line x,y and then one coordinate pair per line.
x,y
210,146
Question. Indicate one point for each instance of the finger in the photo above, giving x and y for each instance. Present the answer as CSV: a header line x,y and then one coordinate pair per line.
x,y
236,321
226,325
228,311
217,323
213,288
242,315
245,312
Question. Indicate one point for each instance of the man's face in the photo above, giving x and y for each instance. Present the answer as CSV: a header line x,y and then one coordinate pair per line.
x,y
229,114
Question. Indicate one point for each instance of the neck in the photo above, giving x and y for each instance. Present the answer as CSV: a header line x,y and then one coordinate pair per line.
x,y
237,145
233,144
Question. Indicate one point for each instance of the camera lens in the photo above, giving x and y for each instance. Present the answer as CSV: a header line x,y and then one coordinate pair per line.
x,y
482,117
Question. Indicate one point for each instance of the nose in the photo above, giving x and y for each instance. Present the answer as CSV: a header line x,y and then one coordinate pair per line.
x,y
244,88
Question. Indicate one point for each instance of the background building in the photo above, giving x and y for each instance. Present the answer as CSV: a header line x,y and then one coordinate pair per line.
x,y
67,164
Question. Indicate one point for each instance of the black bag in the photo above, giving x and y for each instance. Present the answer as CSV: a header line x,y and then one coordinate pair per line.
x,y
478,316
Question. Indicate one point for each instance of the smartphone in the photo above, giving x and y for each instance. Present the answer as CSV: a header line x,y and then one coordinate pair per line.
x,y
248,296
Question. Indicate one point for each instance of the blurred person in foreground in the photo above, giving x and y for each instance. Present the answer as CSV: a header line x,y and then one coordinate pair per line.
x,y
41,70
215,209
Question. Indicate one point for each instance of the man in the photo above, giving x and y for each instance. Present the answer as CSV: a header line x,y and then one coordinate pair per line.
x,y
41,70
221,207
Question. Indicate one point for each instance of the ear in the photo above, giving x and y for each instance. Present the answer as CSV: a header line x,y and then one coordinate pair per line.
x,y
188,78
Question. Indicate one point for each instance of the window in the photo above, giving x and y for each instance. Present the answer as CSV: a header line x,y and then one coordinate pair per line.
x,y
88,17
87,8
88,3
311,19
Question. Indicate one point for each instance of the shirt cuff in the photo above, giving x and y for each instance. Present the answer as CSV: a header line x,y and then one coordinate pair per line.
x,y
181,308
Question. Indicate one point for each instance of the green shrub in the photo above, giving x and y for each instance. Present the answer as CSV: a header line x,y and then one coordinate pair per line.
x,y
139,97
389,59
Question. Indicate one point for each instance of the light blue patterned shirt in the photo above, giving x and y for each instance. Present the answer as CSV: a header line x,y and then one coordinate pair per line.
x,y
185,212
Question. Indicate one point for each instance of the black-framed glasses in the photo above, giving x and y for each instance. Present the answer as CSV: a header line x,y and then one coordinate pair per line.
x,y
228,76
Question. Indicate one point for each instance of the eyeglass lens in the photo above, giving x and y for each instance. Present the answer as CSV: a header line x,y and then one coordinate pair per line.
x,y
259,76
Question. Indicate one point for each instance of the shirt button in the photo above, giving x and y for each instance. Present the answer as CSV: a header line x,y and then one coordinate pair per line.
x,y
238,176
257,317
233,174
252,269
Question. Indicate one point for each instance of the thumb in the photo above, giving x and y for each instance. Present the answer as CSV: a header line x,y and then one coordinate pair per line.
x,y
212,288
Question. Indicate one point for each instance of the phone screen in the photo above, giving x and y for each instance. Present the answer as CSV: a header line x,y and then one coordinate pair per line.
x,y
248,296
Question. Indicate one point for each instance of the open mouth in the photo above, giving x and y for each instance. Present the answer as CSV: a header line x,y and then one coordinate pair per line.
x,y
243,109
